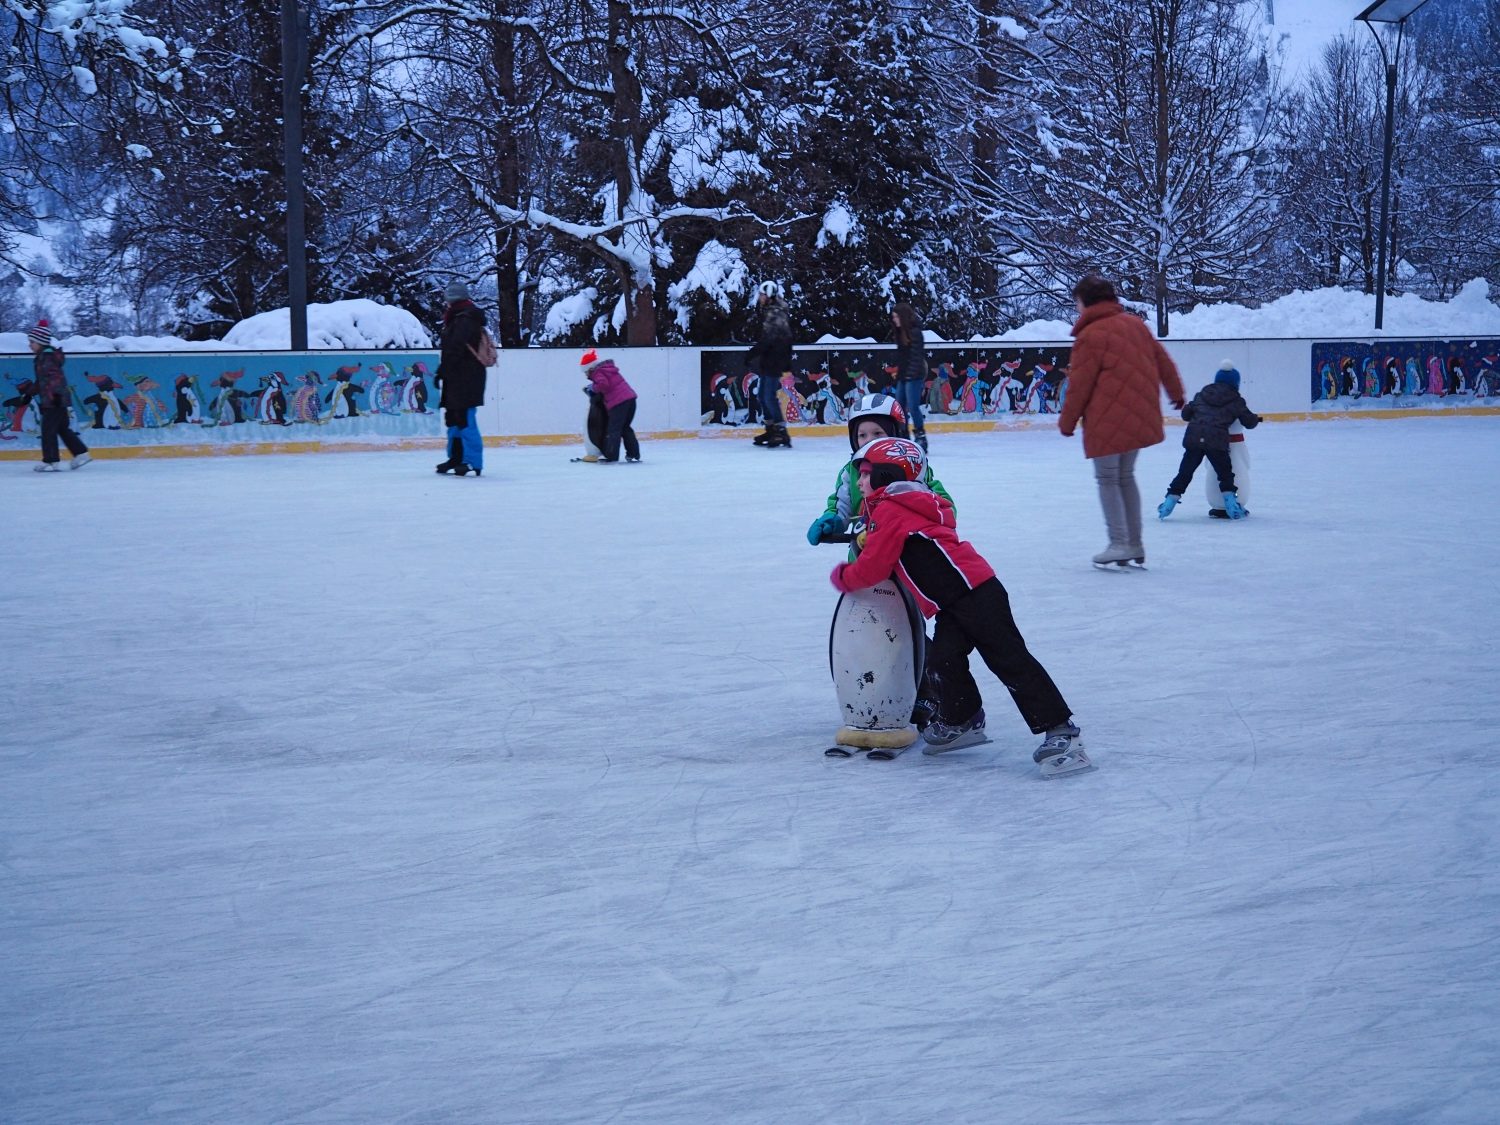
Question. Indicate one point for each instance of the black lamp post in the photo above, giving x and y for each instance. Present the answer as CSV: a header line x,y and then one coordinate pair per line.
x,y
1391,13
293,69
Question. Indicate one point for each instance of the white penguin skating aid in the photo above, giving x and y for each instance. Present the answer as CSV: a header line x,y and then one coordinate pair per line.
x,y
876,646
1239,461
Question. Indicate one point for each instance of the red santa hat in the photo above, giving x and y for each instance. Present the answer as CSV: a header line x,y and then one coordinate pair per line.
x,y
590,360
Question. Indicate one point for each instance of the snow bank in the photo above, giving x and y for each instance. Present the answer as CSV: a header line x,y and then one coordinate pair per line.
x,y
1317,314
15,342
354,325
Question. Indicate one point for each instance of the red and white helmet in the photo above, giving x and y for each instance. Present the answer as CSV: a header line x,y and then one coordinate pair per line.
x,y
905,458
884,409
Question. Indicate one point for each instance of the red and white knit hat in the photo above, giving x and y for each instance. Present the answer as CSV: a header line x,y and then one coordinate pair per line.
x,y
41,334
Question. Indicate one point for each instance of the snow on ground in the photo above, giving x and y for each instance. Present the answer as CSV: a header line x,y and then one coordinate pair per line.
x,y
337,791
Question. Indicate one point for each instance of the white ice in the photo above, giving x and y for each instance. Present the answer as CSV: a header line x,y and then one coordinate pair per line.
x,y
337,791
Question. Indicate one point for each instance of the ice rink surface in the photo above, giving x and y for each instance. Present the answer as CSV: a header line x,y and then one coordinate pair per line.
x,y
336,791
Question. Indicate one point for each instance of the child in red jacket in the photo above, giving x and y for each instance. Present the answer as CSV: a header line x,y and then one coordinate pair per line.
x,y
910,532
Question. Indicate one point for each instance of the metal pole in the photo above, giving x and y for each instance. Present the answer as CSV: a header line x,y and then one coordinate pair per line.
x,y
293,61
1385,191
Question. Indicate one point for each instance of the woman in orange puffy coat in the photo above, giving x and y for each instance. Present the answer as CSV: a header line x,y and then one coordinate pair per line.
x,y
1115,378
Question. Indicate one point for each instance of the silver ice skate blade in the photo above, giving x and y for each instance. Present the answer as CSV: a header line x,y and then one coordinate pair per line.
x,y
1122,564
962,742
1074,761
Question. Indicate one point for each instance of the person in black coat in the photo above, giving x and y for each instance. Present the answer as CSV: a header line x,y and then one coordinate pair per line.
x,y
1213,410
911,367
460,375
769,358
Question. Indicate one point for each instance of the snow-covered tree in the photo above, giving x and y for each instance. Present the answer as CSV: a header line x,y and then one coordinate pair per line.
x,y
613,164
1451,179
852,172
70,67
991,69
1148,166
1330,195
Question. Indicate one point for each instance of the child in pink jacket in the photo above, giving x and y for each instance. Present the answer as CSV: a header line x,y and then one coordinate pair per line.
x,y
606,381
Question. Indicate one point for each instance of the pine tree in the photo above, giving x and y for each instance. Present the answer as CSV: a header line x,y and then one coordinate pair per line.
x,y
858,163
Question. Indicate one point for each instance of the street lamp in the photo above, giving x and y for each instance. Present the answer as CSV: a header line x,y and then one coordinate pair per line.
x,y
293,70
1390,13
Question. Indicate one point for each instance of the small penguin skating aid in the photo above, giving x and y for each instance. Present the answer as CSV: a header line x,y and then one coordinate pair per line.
x,y
876,646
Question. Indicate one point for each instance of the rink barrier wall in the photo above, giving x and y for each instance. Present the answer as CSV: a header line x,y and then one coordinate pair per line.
x,y
534,397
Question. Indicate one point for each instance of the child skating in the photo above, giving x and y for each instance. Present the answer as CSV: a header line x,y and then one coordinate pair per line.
x,y
52,402
910,532
876,416
1209,416
1239,461
618,398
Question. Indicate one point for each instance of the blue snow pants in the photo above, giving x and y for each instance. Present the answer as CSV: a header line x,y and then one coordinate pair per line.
x,y
910,394
468,438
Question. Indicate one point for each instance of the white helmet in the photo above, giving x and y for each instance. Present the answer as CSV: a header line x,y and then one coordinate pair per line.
x,y
769,289
882,407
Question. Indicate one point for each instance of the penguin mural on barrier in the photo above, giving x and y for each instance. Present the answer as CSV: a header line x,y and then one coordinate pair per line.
x,y
22,415
876,651
793,405
829,403
383,396
341,398
108,413
414,389
970,394
189,409
143,410
306,406
1487,378
272,407
750,393
1437,384
1413,384
226,408
729,403
998,398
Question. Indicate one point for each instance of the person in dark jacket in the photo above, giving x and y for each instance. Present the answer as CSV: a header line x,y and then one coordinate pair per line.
x,y
769,358
1213,410
52,401
461,376
910,532
911,367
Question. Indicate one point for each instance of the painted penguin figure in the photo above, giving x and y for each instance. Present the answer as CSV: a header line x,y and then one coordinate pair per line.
x,y
875,653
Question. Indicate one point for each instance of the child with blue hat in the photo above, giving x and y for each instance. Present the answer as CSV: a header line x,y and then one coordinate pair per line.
x,y
1213,413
